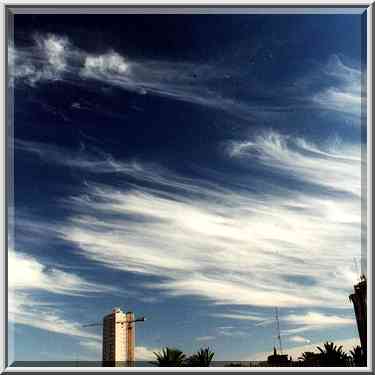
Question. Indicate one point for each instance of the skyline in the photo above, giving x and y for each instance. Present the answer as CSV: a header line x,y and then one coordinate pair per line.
x,y
204,166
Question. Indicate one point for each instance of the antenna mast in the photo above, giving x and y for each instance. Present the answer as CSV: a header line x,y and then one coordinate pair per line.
x,y
356,268
278,329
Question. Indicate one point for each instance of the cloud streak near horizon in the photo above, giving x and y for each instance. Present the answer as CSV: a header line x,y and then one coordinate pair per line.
x,y
28,276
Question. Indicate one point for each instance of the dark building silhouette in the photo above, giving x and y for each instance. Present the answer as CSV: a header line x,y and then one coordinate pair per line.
x,y
359,299
278,359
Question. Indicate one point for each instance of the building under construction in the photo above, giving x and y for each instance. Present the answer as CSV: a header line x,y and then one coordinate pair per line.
x,y
359,299
118,338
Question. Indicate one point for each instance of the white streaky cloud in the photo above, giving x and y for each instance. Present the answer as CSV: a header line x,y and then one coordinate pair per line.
x,y
298,330
199,84
163,78
296,351
336,100
225,258
103,65
26,273
46,60
12,56
345,93
226,243
96,162
221,290
335,67
311,320
53,57
55,49
143,353
24,309
24,71
299,339
338,167
205,338
318,319
231,332
237,316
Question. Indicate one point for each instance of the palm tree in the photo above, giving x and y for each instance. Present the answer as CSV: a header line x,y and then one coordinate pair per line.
x,y
332,355
358,356
170,357
202,358
309,359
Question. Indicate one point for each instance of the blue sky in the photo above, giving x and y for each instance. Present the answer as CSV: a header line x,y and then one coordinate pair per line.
x,y
196,169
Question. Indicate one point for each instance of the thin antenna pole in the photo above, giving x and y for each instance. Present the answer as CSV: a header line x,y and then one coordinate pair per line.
x,y
278,329
357,273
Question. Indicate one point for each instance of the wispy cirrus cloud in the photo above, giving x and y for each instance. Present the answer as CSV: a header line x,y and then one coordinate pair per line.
x,y
294,323
238,316
53,57
317,319
27,273
230,331
205,338
144,353
226,243
98,162
102,65
337,166
188,81
313,320
27,310
299,339
344,92
32,282
46,60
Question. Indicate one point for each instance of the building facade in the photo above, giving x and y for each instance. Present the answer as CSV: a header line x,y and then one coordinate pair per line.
x,y
359,299
114,338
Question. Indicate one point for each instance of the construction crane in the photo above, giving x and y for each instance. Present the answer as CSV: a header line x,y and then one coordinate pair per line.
x,y
278,329
130,337
141,319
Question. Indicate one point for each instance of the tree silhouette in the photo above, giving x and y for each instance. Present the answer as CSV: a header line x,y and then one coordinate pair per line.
x,y
170,357
358,356
332,355
202,358
310,359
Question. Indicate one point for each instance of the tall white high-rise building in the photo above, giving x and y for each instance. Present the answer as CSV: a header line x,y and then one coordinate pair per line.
x,y
119,338
114,338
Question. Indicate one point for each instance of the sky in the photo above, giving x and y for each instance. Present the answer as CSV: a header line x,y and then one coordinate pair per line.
x,y
198,170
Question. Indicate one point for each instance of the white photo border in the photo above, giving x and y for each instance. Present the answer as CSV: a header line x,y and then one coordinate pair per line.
x,y
188,6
